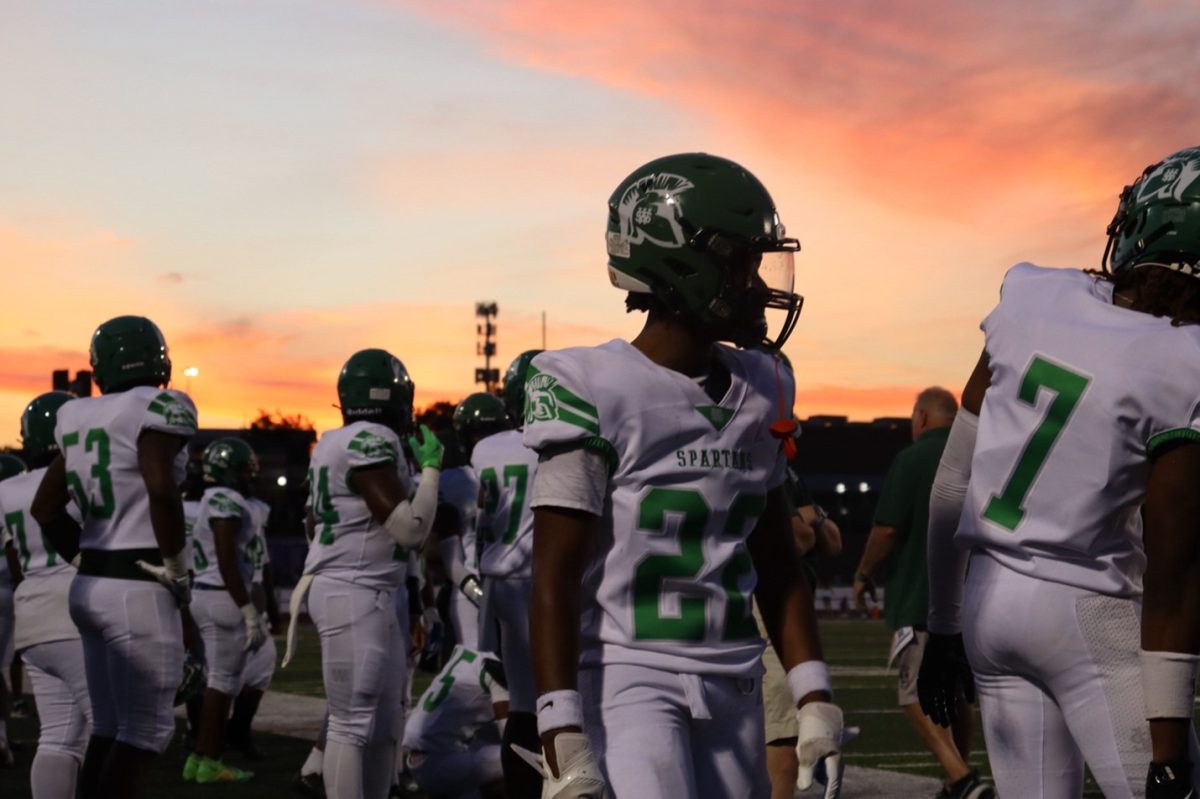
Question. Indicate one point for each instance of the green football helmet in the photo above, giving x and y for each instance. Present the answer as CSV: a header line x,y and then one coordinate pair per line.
x,y
375,386
477,417
10,466
229,462
514,387
37,426
128,351
1158,218
701,234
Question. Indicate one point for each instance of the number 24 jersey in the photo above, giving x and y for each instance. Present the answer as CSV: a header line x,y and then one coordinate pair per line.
x,y
670,583
1082,394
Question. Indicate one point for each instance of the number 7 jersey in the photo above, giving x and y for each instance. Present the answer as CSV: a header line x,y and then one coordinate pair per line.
x,y
669,585
1082,394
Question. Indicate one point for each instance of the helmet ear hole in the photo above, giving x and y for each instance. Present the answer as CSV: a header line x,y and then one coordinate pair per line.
x,y
680,268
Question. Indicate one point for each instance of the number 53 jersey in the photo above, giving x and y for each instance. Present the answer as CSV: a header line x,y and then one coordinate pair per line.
x,y
98,437
1082,394
670,582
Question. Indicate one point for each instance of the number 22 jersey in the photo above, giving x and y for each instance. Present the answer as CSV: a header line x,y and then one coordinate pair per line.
x,y
670,582
1082,394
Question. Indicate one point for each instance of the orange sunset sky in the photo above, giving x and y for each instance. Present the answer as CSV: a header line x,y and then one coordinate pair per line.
x,y
280,183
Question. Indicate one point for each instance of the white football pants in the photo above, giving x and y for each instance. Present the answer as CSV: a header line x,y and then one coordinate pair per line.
x,y
223,630
59,680
133,653
456,775
505,614
465,617
260,666
686,736
1059,683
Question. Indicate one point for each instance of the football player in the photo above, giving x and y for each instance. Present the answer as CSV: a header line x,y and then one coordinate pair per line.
x,y
121,456
659,508
10,466
451,737
1070,477
454,526
229,622
364,521
506,468
45,635
260,664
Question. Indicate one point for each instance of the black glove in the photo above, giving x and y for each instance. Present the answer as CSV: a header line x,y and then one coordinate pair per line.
x,y
944,676
1169,781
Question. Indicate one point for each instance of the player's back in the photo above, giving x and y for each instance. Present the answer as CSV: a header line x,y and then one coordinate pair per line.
x,y
672,577
506,468
1082,392
456,704
349,543
220,502
35,555
98,438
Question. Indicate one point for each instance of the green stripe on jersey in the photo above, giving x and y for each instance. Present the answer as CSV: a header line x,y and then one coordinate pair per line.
x,y
173,411
547,400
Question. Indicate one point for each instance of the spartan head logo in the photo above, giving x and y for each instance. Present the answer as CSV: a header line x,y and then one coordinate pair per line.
x,y
1172,178
540,404
649,211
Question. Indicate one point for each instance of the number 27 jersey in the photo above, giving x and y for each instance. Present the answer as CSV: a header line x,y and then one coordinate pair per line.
x,y
670,583
1082,393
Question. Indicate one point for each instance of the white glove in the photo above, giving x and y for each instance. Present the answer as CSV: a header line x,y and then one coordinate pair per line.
x,y
579,775
820,744
173,575
256,635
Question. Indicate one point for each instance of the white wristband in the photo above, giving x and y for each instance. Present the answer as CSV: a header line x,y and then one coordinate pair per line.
x,y
177,564
809,676
1169,684
559,709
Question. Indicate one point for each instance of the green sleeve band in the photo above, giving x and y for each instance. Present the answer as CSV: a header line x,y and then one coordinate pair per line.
x,y
1157,440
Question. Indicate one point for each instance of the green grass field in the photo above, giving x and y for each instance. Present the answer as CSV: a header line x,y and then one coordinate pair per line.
x,y
857,650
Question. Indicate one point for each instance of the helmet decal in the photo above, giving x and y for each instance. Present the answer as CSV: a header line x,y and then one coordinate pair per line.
x,y
1170,179
648,212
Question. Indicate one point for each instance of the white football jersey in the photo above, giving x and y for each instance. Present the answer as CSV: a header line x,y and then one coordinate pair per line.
x,y
459,488
455,705
256,549
670,582
506,468
220,502
97,437
1082,392
35,554
349,544
40,601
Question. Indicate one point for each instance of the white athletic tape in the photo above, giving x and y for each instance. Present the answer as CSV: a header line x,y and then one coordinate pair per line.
x,y
298,595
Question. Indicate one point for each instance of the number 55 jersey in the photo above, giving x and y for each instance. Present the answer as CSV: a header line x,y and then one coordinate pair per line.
x,y
1083,393
670,581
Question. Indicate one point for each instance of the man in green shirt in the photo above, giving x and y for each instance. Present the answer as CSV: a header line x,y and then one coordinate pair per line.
x,y
899,531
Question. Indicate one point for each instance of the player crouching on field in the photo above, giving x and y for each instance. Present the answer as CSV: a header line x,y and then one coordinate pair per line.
x,y
363,519
230,624
659,508
120,454
46,638
453,735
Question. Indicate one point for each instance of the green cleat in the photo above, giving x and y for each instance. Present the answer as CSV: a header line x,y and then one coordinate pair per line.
x,y
215,771
191,766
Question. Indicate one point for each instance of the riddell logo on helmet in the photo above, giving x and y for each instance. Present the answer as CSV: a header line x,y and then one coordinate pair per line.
x,y
649,212
125,367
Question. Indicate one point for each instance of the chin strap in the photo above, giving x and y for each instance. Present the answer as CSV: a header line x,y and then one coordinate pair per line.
x,y
784,428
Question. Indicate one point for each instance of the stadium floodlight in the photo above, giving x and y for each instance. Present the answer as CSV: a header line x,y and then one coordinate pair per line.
x,y
863,488
281,481
840,488
191,371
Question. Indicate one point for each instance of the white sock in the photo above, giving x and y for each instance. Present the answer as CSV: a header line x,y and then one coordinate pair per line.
x,y
343,771
314,763
53,775
379,769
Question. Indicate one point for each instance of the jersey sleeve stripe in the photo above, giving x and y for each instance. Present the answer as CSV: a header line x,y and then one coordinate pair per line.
x,y
1167,436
